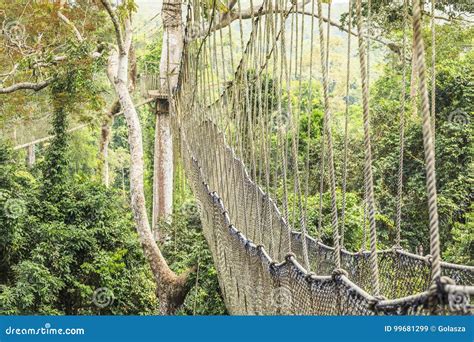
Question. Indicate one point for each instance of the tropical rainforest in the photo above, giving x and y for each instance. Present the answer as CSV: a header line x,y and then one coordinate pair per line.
x,y
71,241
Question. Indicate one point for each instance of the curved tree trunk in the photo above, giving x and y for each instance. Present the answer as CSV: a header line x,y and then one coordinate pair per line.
x,y
105,136
106,128
171,289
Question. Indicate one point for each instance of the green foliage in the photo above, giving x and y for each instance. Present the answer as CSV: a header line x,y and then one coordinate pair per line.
x,y
42,47
126,8
354,221
461,247
149,62
212,8
63,236
185,246
387,16
83,147
66,239
55,254
454,106
261,92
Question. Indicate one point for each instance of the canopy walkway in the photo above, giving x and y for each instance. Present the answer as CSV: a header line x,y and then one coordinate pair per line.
x,y
259,268
240,146
236,122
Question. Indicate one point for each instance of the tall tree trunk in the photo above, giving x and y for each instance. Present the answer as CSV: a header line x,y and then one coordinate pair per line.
x,y
106,128
31,156
162,172
169,70
105,136
171,288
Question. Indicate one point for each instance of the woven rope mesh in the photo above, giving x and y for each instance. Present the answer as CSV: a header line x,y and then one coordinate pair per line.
x,y
249,241
222,107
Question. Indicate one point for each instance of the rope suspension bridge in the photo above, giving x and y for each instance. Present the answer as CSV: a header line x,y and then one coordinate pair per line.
x,y
236,123
240,145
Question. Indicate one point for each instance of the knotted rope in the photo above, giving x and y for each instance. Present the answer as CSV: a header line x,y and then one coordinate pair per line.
x,y
368,154
327,125
401,130
428,143
346,128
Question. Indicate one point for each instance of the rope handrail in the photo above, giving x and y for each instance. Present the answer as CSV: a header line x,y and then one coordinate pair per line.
x,y
428,143
232,147
395,305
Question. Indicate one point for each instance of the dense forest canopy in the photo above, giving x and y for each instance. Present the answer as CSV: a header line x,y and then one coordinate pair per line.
x,y
71,239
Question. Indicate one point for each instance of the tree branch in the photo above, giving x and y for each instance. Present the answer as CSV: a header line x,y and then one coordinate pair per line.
x,y
116,23
71,25
128,35
7,75
26,86
250,13
231,5
448,19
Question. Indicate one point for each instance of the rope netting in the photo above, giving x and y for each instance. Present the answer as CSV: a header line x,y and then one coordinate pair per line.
x,y
237,124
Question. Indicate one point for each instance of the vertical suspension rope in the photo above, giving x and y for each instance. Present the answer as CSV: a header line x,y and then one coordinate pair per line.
x,y
295,144
428,144
328,34
402,131
269,29
256,113
433,68
321,181
322,165
368,155
309,110
291,57
283,135
363,246
327,120
346,130
367,39
276,91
